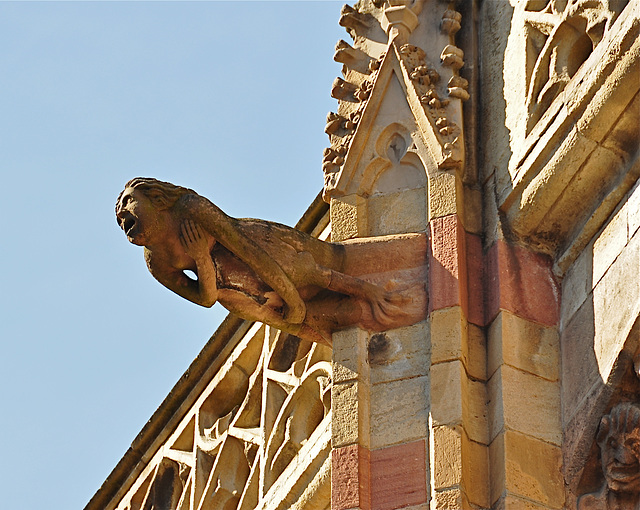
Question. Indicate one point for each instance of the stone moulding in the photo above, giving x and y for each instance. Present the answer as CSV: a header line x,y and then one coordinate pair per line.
x,y
582,148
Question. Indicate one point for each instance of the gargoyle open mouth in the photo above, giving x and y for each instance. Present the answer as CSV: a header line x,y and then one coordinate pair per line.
x,y
128,224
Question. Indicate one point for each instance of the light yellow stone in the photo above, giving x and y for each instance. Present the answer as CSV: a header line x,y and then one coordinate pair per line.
x,y
424,506
534,469
448,327
347,351
446,394
406,354
453,338
447,455
609,243
475,353
456,399
399,412
475,472
616,306
450,499
442,194
396,213
470,207
633,207
525,345
475,409
526,403
576,286
497,474
527,467
344,218
511,502
345,411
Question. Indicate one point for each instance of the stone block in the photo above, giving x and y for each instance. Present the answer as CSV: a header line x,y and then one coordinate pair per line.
x,y
399,476
511,502
472,277
609,243
424,506
475,409
444,287
475,354
452,338
345,410
442,194
475,472
525,345
396,213
450,499
616,304
348,467
348,348
447,457
458,400
399,412
472,208
448,328
344,218
497,473
446,393
525,403
522,282
576,285
399,353
534,470
527,467
579,366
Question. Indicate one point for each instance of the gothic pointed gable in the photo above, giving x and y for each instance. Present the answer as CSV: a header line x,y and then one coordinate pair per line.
x,y
400,95
399,117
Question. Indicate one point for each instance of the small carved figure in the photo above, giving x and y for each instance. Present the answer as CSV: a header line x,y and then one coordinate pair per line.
x,y
619,441
257,269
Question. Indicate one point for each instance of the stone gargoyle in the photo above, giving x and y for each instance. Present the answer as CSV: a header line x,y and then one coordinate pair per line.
x,y
619,440
269,272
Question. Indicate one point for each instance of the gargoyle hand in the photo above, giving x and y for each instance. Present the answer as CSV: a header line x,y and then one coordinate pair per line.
x,y
387,306
194,240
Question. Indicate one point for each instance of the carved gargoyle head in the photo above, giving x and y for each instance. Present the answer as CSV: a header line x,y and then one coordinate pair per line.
x,y
143,208
619,441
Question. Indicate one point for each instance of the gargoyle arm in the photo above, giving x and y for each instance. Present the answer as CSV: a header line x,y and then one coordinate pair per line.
x,y
225,230
202,292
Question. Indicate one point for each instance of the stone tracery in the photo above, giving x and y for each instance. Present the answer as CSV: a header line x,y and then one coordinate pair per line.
x,y
265,416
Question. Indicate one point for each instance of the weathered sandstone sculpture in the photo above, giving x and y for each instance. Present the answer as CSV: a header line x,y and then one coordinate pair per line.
x,y
619,441
266,271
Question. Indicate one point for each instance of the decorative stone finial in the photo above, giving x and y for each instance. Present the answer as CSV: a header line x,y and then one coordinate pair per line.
x,y
401,18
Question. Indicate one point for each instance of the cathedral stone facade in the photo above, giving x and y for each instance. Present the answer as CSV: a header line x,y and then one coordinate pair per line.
x,y
506,133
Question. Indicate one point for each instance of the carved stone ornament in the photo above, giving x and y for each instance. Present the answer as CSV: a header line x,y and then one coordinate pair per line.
x,y
619,441
269,272
561,36
382,46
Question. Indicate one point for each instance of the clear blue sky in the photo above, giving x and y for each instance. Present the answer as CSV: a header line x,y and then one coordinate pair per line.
x,y
228,98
